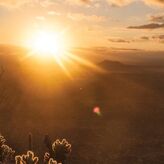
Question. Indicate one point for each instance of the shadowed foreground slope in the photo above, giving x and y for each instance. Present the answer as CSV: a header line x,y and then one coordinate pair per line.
x,y
43,101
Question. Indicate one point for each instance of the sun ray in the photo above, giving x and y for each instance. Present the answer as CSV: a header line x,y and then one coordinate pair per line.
x,y
60,63
85,62
28,55
46,45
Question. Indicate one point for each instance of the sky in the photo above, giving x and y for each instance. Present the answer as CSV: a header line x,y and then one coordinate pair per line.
x,y
117,24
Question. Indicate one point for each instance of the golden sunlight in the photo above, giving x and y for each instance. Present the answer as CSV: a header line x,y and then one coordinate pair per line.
x,y
48,44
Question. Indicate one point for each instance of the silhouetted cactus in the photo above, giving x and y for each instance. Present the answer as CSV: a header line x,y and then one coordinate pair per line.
x,y
48,160
29,158
18,160
61,150
58,151
30,141
6,153
2,140
48,143
52,161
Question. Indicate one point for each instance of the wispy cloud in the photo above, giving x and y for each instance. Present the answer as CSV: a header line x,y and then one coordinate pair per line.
x,y
148,26
126,2
159,38
42,18
125,49
146,38
157,18
119,3
12,3
155,2
54,13
156,22
84,17
45,3
78,2
118,40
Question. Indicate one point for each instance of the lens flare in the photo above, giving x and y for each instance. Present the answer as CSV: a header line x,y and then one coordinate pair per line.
x,y
97,111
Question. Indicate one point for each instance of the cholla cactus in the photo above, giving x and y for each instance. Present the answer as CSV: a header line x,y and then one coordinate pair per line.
x,y
52,161
27,159
6,153
18,159
2,140
48,143
30,141
61,150
46,158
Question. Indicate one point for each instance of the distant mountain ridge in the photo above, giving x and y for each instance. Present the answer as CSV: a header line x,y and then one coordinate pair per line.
x,y
111,63
116,66
119,67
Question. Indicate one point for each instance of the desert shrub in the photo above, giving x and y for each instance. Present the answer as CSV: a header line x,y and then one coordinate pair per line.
x,y
6,153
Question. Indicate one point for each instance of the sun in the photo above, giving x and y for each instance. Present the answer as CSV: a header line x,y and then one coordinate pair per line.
x,y
48,44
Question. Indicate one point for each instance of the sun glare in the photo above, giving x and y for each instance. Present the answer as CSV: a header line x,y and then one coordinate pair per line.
x,y
48,44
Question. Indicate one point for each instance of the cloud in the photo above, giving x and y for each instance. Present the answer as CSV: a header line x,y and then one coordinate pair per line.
x,y
156,22
42,18
85,1
148,26
159,38
45,3
126,2
54,13
156,38
144,38
125,49
118,40
19,3
83,17
79,2
155,2
12,3
119,3
157,18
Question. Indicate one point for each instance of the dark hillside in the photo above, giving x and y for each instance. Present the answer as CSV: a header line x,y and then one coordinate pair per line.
x,y
129,129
